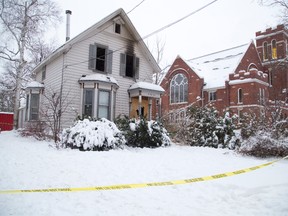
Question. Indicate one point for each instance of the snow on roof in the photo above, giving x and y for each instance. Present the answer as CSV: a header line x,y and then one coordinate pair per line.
x,y
216,67
146,85
34,84
99,77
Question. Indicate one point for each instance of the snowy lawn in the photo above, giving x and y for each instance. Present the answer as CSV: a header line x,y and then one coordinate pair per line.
x,y
29,164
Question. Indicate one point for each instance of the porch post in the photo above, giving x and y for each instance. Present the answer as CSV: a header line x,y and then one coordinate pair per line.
x,y
130,104
149,109
140,103
159,107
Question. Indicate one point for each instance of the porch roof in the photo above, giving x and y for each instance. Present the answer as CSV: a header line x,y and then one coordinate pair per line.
x,y
147,89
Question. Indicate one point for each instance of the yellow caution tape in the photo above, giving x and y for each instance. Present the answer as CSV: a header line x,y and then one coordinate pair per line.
x,y
143,185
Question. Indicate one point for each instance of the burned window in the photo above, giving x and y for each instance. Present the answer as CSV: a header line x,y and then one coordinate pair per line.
x,y
129,65
100,59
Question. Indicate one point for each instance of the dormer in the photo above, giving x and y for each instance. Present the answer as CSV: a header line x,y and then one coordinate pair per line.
x,y
118,24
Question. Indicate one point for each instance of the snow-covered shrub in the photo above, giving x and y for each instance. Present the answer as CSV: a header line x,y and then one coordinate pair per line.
x,y
280,129
143,133
201,130
97,135
249,125
263,145
207,128
225,131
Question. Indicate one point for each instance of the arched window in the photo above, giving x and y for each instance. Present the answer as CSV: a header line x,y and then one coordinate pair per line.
x,y
179,89
274,49
240,96
265,51
252,66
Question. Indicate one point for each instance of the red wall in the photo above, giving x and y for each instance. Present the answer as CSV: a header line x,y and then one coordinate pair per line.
x,y
6,121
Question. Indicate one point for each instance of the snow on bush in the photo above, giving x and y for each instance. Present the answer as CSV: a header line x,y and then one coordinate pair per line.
x,y
143,133
93,135
207,128
263,145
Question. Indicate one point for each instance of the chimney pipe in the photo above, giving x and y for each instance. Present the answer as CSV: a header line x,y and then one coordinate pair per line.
x,y
68,13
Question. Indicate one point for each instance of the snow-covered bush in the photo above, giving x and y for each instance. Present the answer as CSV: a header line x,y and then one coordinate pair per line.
x,y
97,135
202,129
249,125
263,145
264,137
143,133
207,128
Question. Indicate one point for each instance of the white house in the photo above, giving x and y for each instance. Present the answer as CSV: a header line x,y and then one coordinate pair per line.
x,y
103,72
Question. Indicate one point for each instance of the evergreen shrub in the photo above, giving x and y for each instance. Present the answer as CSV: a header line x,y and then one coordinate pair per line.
x,y
143,133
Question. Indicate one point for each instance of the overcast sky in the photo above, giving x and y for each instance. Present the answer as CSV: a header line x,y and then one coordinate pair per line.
x,y
224,24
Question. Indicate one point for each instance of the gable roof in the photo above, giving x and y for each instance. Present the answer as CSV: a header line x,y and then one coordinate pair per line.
x,y
216,67
86,34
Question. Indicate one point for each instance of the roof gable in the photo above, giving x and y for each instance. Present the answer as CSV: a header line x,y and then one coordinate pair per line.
x,y
118,14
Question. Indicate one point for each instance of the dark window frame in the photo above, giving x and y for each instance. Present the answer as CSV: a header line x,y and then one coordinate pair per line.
x,y
85,103
129,65
117,28
100,58
240,96
212,96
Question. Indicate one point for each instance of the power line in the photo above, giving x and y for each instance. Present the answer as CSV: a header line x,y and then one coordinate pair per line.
x,y
135,7
179,20
109,25
149,35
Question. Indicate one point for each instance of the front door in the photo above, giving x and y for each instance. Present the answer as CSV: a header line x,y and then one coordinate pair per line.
x,y
134,111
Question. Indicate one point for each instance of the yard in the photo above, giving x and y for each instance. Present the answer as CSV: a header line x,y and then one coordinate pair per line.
x,y
26,163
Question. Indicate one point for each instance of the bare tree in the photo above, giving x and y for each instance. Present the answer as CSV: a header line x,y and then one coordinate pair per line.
x,y
158,52
283,4
53,110
22,22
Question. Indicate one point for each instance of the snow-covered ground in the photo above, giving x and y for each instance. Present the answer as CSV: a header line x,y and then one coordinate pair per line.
x,y
29,164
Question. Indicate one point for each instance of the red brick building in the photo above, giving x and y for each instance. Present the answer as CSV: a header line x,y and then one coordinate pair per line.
x,y
239,79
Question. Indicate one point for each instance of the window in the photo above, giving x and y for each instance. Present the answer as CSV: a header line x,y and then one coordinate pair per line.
x,y
129,65
88,102
44,72
270,77
100,58
240,96
104,104
274,49
117,28
212,96
179,89
265,51
252,66
27,107
262,96
34,107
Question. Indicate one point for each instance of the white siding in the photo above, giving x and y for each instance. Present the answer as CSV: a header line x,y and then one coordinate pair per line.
x,y
76,65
